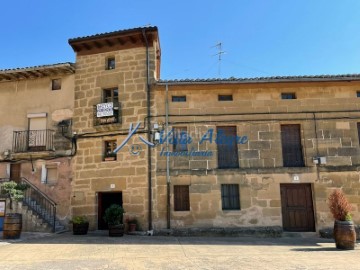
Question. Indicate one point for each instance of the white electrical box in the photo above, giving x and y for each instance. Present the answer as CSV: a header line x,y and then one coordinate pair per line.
x,y
112,185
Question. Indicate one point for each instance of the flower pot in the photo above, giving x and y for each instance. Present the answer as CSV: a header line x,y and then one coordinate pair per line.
x,y
12,226
116,230
132,227
80,229
344,234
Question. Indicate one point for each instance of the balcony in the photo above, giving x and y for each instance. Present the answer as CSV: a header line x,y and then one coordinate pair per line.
x,y
33,141
107,113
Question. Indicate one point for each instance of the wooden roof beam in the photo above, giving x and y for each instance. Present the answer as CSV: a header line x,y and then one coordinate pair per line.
x,y
133,39
86,46
98,44
109,43
121,41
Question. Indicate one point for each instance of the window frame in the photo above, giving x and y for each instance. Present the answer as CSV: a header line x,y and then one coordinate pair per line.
x,y
291,146
288,95
113,98
110,63
230,197
181,204
223,149
109,149
222,98
56,84
181,98
179,147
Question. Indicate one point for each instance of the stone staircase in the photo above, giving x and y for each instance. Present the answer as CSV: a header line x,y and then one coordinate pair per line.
x,y
43,217
37,209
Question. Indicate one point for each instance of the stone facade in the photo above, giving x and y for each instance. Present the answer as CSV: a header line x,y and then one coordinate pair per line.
x,y
26,94
128,174
121,71
328,129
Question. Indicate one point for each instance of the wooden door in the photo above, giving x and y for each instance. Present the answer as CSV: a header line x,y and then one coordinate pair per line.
x,y
15,172
297,207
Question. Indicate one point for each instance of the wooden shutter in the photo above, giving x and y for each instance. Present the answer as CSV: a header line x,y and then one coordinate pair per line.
x,y
227,148
291,146
230,197
180,139
358,129
181,198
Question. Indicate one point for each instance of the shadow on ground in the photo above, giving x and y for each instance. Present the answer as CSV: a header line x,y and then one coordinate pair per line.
x,y
101,237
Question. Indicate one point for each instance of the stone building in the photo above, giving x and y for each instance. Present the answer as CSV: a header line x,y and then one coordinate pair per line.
x,y
278,147
36,108
114,72
207,153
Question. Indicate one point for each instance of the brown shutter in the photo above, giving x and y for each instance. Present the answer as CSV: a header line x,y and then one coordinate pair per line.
x,y
181,198
227,148
291,146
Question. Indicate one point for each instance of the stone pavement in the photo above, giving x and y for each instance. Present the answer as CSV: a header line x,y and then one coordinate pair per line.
x,y
98,251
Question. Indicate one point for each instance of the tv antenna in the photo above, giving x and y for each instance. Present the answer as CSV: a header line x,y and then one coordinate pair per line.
x,y
220,52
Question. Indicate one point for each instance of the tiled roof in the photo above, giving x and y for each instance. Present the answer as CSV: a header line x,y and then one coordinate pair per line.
x,y
36,71
57,65
113,33
306,78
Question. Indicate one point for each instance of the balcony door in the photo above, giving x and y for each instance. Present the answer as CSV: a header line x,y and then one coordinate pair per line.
x,y
37,133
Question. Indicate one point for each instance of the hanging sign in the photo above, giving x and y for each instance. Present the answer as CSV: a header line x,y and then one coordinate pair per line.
x,y
104,109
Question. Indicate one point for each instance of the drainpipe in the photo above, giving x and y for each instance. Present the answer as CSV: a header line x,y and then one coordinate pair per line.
x,y
167,157
148,130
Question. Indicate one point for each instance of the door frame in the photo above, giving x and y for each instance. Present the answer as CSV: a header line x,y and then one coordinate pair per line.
x,y
311,218
100,196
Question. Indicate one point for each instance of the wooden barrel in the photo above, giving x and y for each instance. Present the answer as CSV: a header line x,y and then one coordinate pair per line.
x,y
344,234
12,226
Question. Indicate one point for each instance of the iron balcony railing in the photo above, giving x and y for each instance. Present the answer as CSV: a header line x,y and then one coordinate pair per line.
x,y
107,113
33,140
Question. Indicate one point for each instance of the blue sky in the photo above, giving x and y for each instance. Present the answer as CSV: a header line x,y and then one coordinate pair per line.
x,y
260,37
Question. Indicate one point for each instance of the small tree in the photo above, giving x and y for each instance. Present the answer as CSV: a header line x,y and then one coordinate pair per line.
x,y
114,215
339,206
13,190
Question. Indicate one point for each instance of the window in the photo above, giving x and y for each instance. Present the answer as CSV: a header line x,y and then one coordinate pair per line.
x,y
225,97
180,137
358,93
288,96
111,95
181,198
291,146
56,84
178,98
227,148
110,63
230,198
358,129
109,154
51,175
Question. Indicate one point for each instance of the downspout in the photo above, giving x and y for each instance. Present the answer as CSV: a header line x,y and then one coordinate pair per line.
x,y
148,131
167,157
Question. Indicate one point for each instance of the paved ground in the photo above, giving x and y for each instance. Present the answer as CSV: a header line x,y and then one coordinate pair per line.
x,y
98,251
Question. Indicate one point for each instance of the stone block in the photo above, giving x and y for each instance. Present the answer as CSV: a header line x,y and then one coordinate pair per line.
x,y
249,154
269,212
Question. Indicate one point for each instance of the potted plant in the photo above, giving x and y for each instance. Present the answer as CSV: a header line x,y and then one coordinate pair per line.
x,y
80,225
344,229
13,221
133,224
110,156
114,218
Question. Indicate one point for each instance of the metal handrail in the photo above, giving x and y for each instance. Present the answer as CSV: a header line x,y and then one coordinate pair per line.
x,y
43,205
